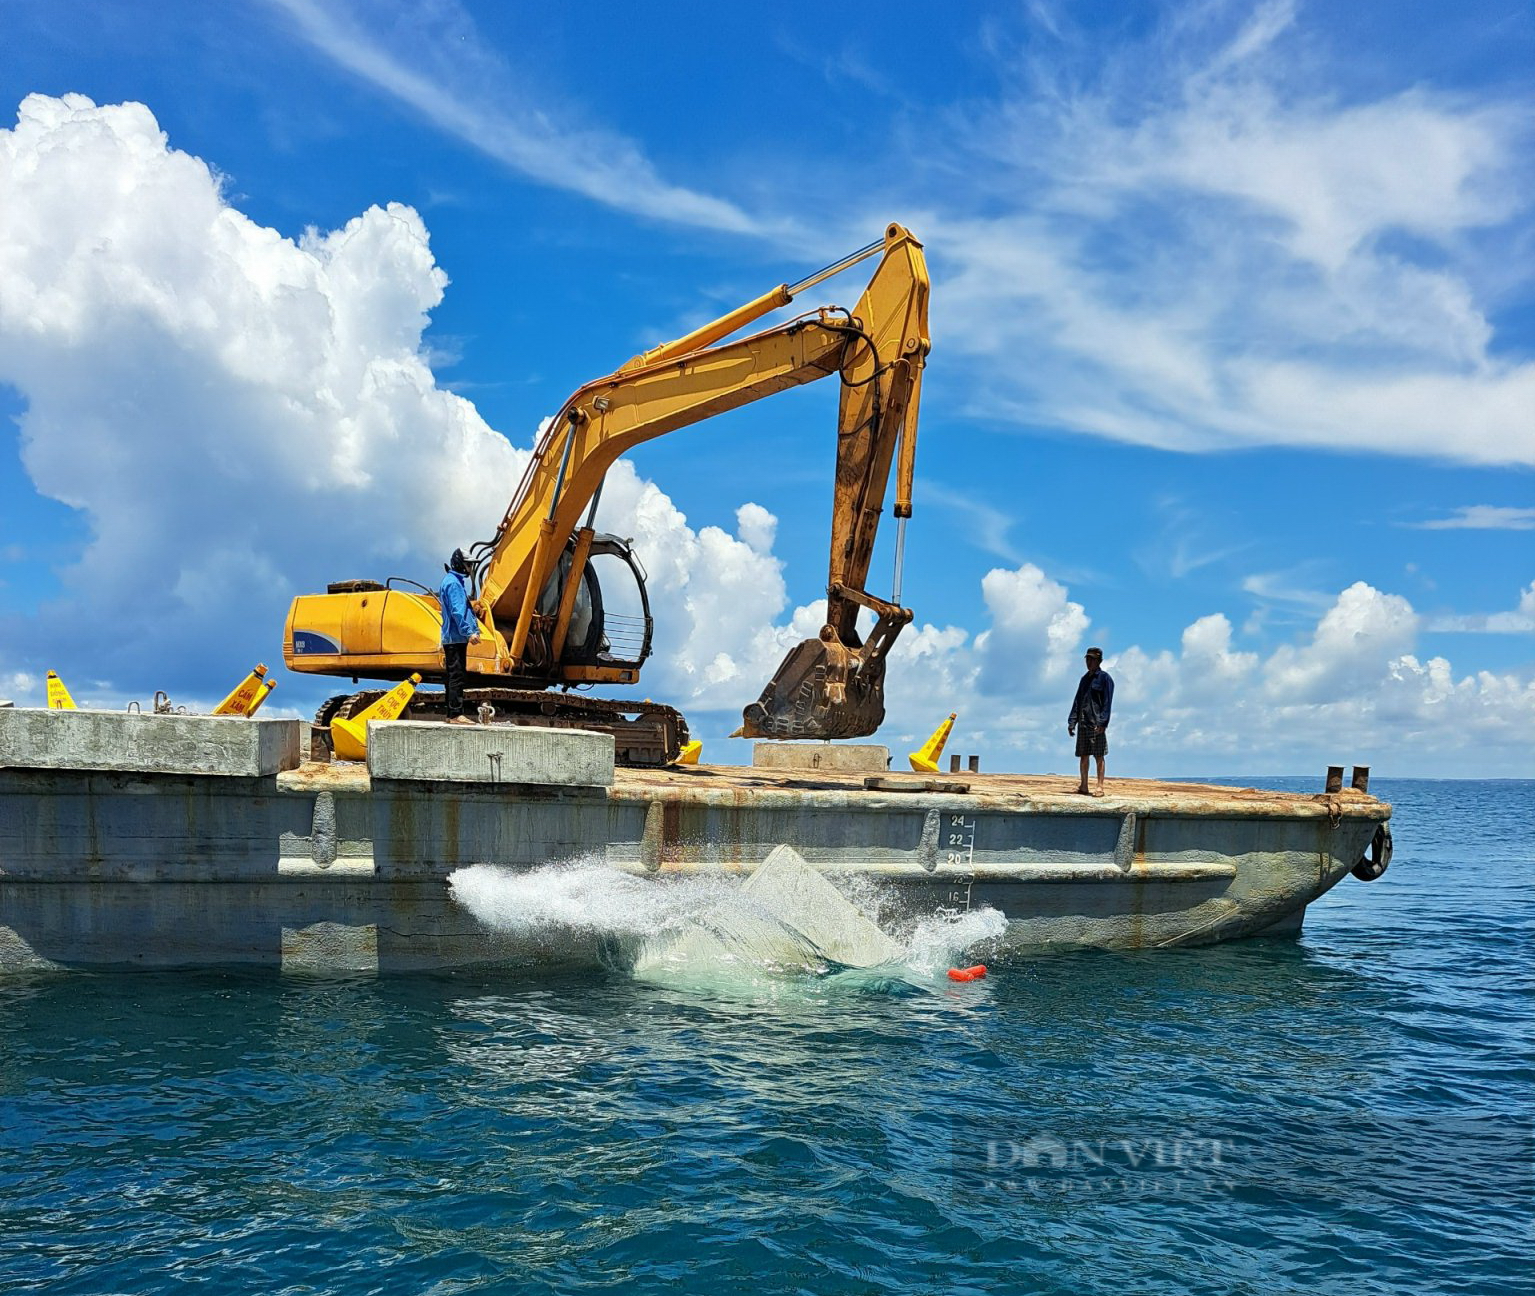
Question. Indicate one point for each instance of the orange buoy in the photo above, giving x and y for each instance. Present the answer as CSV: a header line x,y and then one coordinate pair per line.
x,y
968,974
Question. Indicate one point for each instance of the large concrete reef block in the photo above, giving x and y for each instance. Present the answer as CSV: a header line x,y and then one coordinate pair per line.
x,y
803,899
513,754
844,758
33,738
787,916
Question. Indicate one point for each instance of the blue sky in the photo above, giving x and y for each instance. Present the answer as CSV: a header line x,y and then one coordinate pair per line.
x,y
1233,320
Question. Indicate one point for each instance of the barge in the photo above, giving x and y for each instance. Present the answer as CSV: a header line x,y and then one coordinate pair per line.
x,y
176,841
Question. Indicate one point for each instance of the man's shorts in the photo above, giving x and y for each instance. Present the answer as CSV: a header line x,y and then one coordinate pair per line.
x,y
1091,744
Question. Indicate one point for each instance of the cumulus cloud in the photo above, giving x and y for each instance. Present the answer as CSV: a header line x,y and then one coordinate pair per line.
x,y
1352,643
1352,688
239,416
716,597
227,407
242,416
757,527
1035,630
1208,657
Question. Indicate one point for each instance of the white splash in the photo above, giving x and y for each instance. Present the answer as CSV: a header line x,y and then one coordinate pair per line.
x,y
701,928
939,942
583,897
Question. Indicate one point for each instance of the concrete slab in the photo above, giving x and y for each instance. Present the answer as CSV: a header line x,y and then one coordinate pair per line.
x,y
511,754
787,917
36,738
845,758
807,903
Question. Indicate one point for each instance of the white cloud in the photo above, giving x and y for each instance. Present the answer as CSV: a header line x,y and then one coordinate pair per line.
x,y
1521,620
431,59
1353,690
1332,176
1195,238
1353,642
227,407
1481,517
757,527
1208,658
715,597
1198,243
241,417
1034,634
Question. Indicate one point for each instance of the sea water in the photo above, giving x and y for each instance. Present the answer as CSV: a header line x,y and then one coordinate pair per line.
x,y
1347,1112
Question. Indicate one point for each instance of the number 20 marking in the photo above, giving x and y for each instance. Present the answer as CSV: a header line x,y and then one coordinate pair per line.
x,y
960,841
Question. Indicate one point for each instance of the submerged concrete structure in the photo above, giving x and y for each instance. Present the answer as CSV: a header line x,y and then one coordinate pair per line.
x,y
175,841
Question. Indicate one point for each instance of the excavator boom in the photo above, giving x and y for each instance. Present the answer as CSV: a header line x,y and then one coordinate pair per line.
x,y
530,577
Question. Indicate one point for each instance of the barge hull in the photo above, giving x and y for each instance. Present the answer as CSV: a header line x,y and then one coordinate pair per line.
x,y
324,867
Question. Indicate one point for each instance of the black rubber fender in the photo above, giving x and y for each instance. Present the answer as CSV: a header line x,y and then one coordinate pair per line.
x,y
1378,860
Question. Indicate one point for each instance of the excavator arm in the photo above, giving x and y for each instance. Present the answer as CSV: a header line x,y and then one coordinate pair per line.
x,y
829,687
833,687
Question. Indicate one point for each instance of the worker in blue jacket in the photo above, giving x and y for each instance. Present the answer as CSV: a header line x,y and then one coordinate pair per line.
x,y
459,630
1089,718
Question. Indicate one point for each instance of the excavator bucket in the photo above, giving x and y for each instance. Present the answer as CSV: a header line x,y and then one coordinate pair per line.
x,y
825,689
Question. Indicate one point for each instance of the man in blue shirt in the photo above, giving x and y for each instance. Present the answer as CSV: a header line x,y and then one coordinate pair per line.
x,y
1089,718
459,630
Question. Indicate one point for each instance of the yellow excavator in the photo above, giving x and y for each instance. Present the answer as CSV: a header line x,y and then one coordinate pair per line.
x,y
562,607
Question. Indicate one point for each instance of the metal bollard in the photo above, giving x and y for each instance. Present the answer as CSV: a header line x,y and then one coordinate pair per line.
x,y
1361,779
1335,778
954,763
975,764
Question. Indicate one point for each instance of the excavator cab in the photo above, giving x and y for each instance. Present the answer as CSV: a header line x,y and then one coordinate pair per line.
x,y
610,622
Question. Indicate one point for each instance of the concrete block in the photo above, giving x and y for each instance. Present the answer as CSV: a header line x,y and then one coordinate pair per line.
x,y
841,758
35,738
805,902
786,918
513,754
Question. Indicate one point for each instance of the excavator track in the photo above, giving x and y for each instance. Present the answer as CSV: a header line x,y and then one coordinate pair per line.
x,y
645,734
